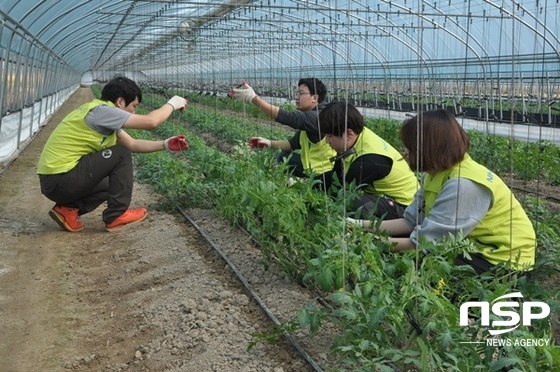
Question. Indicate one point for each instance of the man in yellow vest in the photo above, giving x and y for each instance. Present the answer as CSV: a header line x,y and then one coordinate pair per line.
x,y
87,159
368,161
459,197
314,152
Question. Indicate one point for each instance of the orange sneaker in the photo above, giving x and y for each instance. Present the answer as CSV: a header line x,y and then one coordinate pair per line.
x,y
67,218
127,218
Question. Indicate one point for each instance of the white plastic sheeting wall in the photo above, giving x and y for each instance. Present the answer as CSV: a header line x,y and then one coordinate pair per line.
x,y
20,127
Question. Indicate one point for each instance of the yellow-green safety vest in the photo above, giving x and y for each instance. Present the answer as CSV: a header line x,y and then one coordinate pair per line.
x,y
506,233
315,157
400,184
72,139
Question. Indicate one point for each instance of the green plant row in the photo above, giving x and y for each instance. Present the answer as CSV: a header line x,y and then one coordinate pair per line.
x,y
494,103
394,312
524,160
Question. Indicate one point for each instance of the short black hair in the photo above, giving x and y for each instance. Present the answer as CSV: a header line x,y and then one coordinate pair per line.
x,y
121,86
315,86
338,116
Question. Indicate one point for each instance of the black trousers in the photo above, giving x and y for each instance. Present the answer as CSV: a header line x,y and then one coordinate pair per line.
x,y
377,206
98,177
294,162
477,262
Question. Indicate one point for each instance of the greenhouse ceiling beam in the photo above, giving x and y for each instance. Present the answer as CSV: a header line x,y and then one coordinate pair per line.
x,y
60,16
258,56
52,23
514,16
193,24
302,20
384,62
327,30
33,37
261,57
467,44
452,34
96,64
311,54
352,15
266,46
73,40
417,42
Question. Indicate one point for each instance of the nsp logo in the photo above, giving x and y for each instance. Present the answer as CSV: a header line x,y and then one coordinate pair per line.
x,y
507,309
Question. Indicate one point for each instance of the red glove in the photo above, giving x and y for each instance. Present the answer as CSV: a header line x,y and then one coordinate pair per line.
x,y
259,142
176,143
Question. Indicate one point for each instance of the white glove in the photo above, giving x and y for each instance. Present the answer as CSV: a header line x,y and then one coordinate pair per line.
x,y
244,93
354,222
178,103
291,182
259,142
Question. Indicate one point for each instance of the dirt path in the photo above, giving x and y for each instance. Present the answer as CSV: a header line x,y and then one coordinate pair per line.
x,y
153,297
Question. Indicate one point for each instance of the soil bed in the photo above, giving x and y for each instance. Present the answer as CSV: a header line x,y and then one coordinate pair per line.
x,y
152,297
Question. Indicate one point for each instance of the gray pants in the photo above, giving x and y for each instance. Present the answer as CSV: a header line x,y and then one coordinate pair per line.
x,y
98,177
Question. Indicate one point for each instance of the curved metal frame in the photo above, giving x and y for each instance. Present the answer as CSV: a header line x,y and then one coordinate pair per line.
x,y
45,46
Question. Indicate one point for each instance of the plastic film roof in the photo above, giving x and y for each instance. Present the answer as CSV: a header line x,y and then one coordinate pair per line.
x,y
348,39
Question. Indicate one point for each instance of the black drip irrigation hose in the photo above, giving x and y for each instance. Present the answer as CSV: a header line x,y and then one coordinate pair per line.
x,y
547,197
252,292
318,298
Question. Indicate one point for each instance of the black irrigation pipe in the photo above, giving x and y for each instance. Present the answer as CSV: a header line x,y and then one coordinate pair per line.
x,y
319,299
547,197
252,292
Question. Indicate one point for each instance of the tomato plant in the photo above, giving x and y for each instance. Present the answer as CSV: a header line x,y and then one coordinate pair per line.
x,y
395,311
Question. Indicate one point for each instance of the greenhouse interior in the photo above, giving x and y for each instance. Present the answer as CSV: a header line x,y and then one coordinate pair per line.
x,y
493,66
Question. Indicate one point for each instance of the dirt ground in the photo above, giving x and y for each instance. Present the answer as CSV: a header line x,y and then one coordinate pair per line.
x,y
152,297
